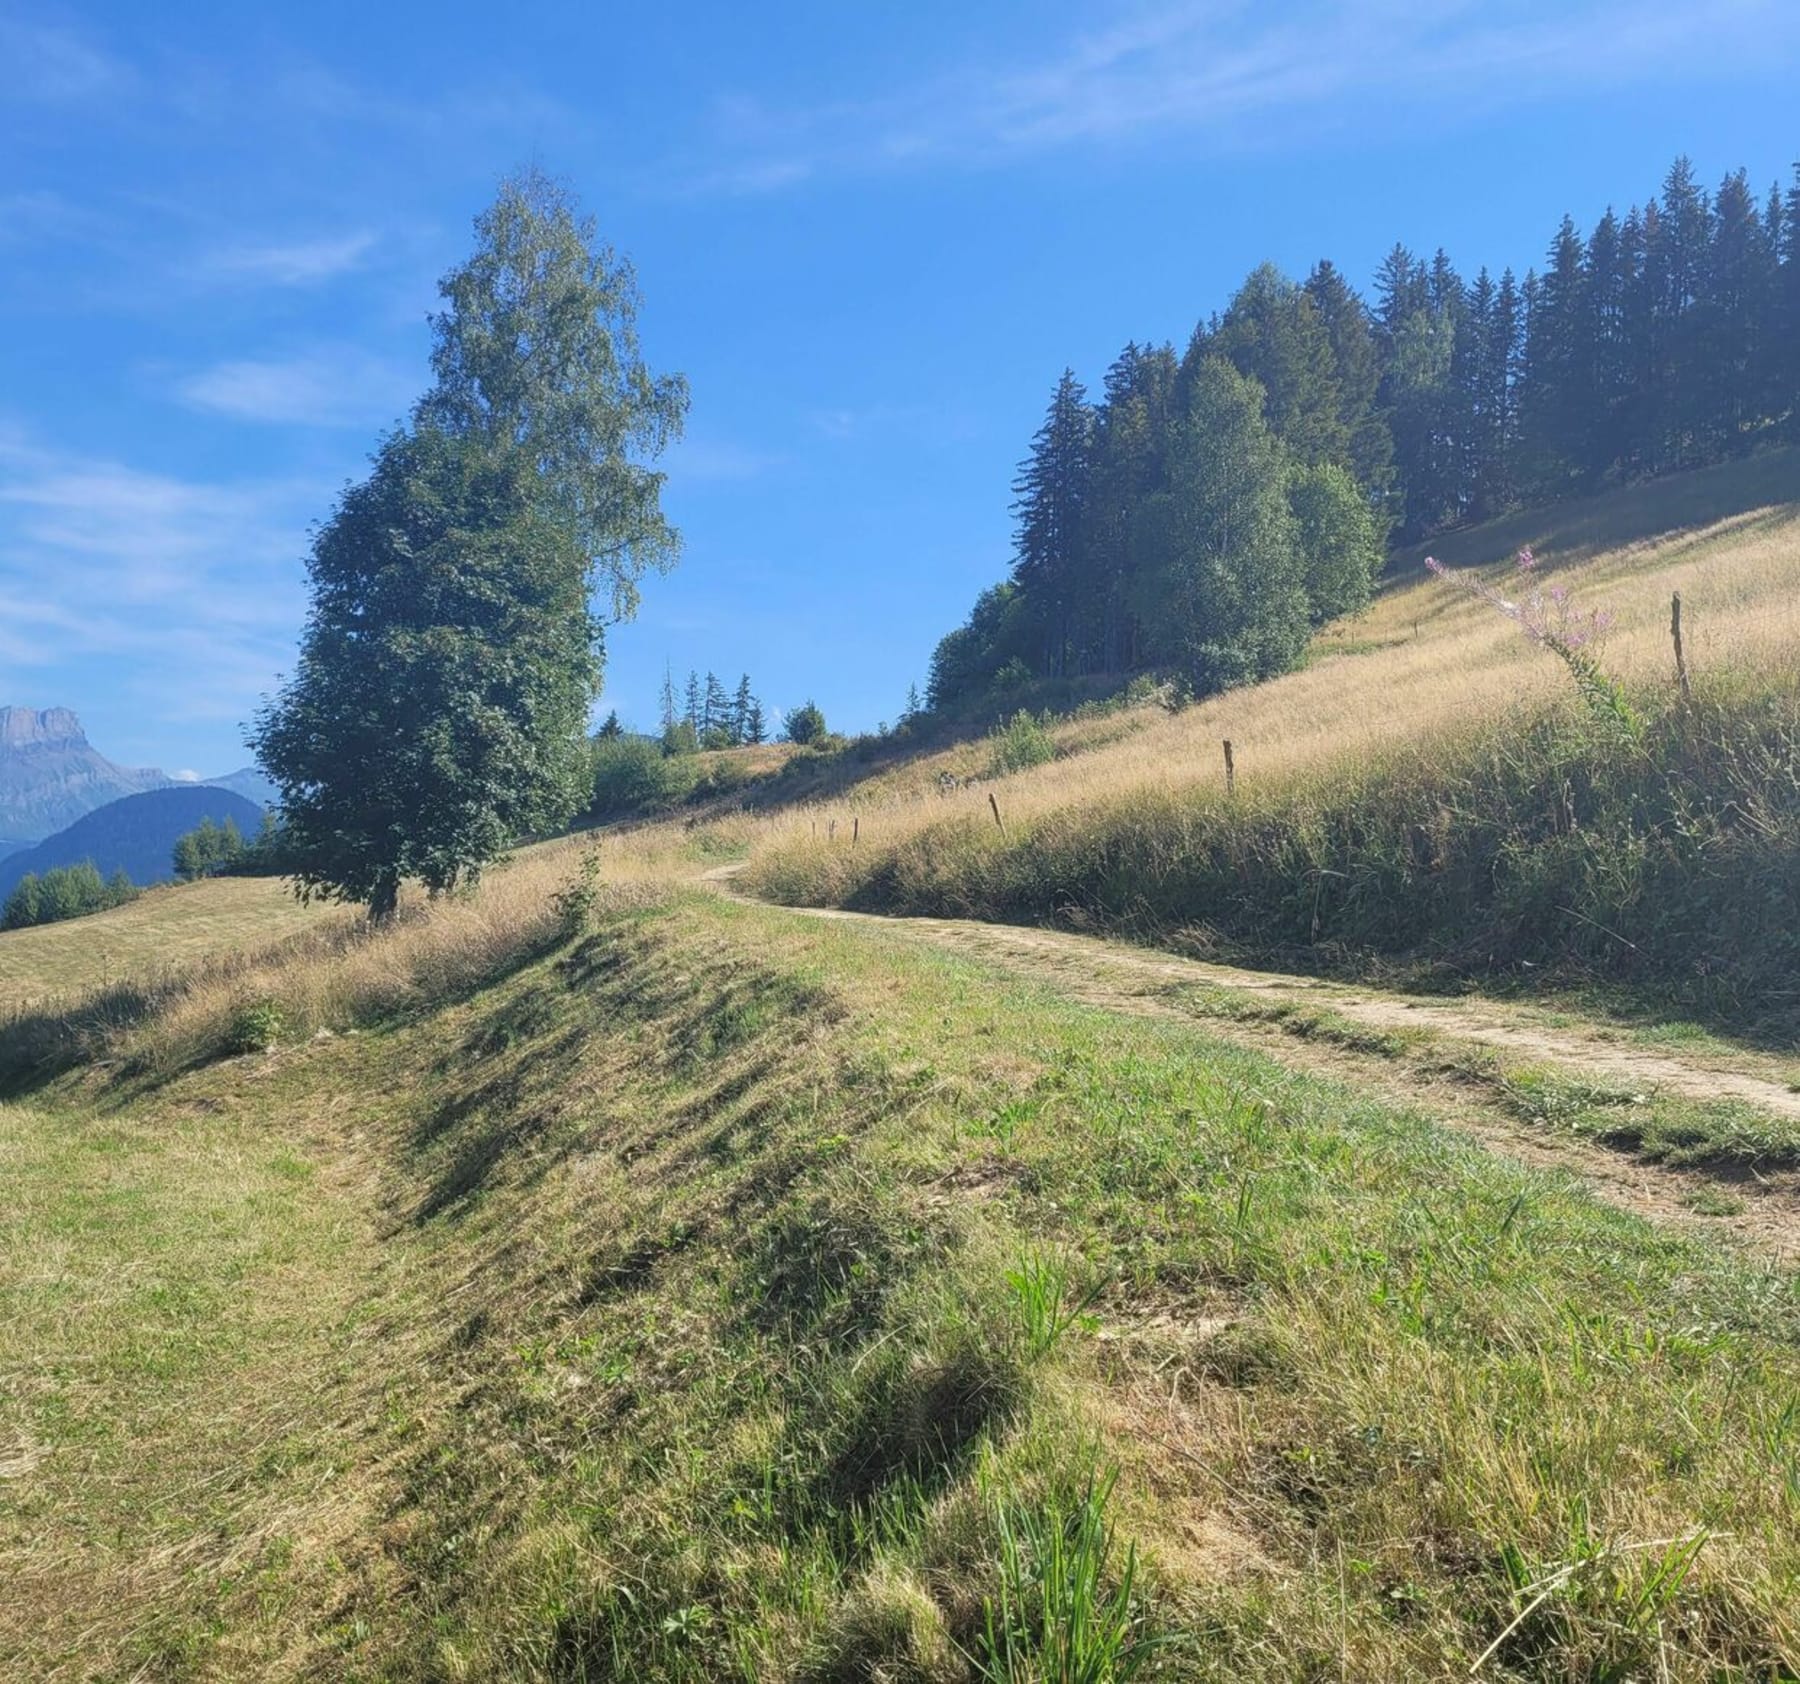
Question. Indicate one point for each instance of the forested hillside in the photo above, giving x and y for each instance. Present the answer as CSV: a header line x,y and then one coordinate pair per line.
x,y
1211,504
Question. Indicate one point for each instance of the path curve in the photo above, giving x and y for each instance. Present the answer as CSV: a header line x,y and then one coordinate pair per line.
x,y
1115,976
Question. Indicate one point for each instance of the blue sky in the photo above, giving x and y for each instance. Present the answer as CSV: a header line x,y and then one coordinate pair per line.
x,y
871,236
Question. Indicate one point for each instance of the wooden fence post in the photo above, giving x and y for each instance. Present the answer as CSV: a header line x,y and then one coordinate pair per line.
x,y
1681,672
831,831
1230,770
994,802
856,828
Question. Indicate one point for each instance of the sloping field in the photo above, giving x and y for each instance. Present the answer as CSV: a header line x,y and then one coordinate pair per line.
x,y
1430,791
717,1293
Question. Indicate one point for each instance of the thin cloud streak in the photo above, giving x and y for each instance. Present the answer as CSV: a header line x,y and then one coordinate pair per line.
x,y
1220,73
196,585
337,387
293,263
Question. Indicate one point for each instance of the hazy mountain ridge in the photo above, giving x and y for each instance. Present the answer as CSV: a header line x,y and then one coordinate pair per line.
x,y
50,775
135,834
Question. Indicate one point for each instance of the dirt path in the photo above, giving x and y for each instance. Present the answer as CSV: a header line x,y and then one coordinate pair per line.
x,y
1762,1209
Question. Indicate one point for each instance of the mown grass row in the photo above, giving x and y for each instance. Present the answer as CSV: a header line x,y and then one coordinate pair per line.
x,y
1543,842
741,1297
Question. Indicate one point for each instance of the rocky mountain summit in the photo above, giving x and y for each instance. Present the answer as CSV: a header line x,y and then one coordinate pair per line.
x,y
50,774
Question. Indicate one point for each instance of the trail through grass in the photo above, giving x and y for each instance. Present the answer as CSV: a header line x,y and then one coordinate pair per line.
x,y
727,1294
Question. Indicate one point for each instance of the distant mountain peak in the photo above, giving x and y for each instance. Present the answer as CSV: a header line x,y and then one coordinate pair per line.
x,y
50,774
22,728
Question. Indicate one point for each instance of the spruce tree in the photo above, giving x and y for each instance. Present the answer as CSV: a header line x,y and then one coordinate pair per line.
x,y
1050,507
1274,333
740,711
1353,348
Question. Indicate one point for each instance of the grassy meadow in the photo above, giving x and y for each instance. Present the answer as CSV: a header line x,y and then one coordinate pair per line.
x,y
671,1288
597,1277
1427,789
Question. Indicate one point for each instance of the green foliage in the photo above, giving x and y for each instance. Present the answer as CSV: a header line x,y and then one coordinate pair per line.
x,y
1049,1300
1658,342
1224,602
206,849
1061,1612
636,777
805,724
64,891
1340,546
1541,845
577,900
256,1027
1020,743
451,653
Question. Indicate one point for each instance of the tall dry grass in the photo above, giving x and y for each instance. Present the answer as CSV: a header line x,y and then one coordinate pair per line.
x,y
339,974
1428,788
1420,667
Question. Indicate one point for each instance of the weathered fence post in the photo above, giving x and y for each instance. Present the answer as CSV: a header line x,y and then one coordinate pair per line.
x,y
1230,770
856,829
994,802
831,831
1681,675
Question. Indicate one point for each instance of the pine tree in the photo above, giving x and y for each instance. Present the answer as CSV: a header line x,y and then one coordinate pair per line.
x,y
1606,299
740,711
1129,449
756,728
1789,312
668,710
1677,257
1274,333
1051,504
1371,442
715,715
1556,402
694,700
1731,314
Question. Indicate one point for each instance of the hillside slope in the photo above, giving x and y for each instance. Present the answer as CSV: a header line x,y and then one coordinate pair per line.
x,y
135,835
711,1293
1430,789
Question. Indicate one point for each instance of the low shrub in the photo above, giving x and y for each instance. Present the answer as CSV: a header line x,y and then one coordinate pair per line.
x,y
1022,742
257,1027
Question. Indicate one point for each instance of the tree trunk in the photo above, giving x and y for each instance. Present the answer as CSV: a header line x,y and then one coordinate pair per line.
x,y
384,901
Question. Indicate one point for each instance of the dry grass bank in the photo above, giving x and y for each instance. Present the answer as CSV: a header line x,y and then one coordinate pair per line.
x,y
714,1294
1426,788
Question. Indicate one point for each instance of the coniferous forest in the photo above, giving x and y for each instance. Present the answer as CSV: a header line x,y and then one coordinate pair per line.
x,y
1210,506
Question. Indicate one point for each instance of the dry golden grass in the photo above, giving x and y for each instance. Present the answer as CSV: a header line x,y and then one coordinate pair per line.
x,y
164,928
1419,665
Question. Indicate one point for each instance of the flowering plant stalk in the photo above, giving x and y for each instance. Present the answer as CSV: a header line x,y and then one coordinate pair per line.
x,y
1552,621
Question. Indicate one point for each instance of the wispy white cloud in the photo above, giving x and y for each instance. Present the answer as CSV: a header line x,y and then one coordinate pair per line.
x,y
337,386
290,263
195,586
1232,74
44,64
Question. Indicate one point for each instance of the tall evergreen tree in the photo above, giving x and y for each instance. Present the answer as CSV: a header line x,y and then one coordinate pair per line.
x,y
1052,493
740,711
1358,364
1274,333
1557,401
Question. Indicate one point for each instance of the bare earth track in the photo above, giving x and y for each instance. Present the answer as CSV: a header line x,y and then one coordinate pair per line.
x,y
1112,976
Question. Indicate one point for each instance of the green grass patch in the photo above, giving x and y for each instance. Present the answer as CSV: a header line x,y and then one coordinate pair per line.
x,y
724,1295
